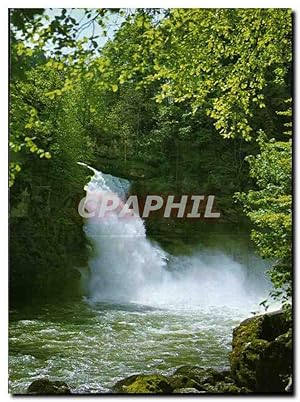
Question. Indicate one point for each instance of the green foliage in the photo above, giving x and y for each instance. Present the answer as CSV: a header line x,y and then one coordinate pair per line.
x,y
222,60
149,104
47,242
60,33
136,137
270,208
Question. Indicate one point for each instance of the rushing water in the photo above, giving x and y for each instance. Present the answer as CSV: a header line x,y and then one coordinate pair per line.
x,y
90,346
145,311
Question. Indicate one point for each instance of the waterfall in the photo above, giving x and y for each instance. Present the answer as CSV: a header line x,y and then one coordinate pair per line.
x,y
128,267
125,260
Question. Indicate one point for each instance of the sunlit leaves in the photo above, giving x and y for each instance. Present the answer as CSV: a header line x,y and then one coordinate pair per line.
x,y
220,59
270,207
52,94
28,128
14,168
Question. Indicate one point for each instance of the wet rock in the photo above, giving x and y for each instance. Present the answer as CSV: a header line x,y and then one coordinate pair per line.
x,y
121,385
200,375
178,381
261,357
144,384
205,380
47,387
188,391
223,387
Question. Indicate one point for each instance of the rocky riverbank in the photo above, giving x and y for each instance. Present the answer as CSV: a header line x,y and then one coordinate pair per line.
x,y
260,362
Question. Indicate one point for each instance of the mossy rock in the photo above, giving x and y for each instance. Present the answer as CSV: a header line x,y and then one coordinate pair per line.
x,y
223,387
261,355
144,384
275,365
43,386
205,380
188,391
121,385
246,361
201,375
182,381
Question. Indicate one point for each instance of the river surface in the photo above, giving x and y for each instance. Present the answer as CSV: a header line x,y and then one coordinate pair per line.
x,y
188,319
91,346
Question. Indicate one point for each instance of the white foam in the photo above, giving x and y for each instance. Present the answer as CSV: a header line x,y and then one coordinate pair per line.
x,y
127,267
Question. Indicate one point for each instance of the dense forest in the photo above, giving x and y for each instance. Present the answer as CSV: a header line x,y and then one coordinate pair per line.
x,y
175,100
189,115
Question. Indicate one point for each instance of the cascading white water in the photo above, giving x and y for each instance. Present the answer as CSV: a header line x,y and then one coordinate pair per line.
x,y
125,260
127,267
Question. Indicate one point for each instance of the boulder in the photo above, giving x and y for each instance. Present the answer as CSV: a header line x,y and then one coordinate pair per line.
x,y
143,384
188,391
204,380
261,357
178,381
224,387
47,387
200,375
